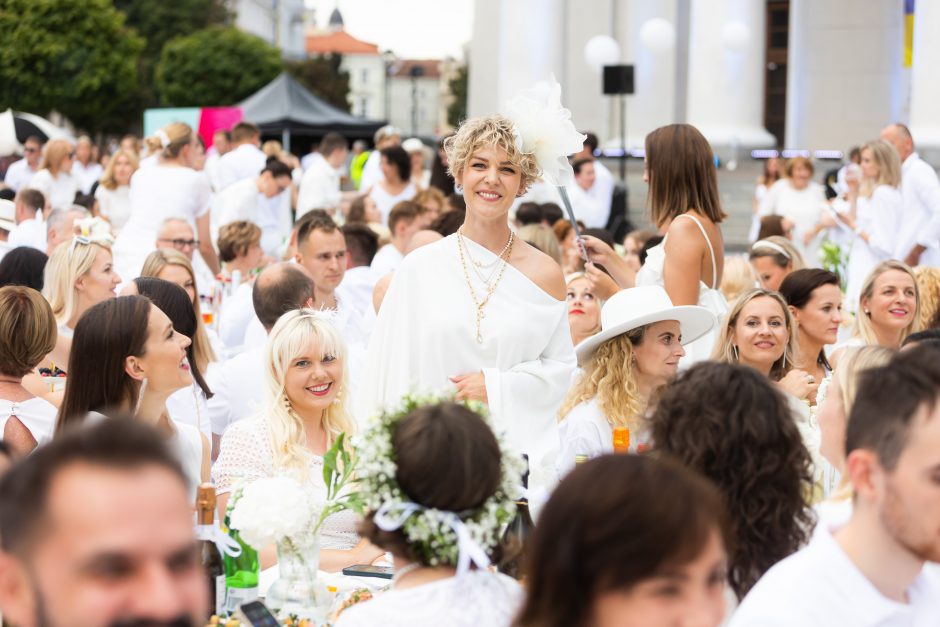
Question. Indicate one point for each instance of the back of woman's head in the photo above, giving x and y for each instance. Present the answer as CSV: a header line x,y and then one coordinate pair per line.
x,y
928,284
737,277
169,141
25,266
682,174
27,330
852,363
592,538
173,300
780,250
543,238
69,261
730,424
105,336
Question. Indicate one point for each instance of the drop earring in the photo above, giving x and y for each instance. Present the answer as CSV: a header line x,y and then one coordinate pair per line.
x,y
734,349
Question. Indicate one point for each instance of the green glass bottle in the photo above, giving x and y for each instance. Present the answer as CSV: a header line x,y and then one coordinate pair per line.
x,y
241,573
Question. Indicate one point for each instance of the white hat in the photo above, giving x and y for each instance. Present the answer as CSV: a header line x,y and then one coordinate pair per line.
x,y
638,306
7,215
413,144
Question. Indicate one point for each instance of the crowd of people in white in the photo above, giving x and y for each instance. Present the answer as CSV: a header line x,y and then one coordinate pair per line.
x,y
779,409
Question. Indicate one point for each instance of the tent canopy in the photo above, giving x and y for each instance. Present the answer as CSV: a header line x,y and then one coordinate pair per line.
x,y
284,107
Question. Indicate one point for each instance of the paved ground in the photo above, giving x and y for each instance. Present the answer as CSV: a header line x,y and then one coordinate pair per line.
x,y
736,189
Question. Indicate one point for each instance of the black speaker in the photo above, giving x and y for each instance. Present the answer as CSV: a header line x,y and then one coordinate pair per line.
x,y
618,79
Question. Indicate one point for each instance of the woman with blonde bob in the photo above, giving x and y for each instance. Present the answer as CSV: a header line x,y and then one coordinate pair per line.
x,y
875,213
54,178
175,267
636,353
773,258
306,374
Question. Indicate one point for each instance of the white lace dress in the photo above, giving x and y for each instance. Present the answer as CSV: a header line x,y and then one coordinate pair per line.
x,y
245,455
475,599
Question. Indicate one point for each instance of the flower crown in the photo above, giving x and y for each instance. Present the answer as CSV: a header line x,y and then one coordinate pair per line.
x,y
436,536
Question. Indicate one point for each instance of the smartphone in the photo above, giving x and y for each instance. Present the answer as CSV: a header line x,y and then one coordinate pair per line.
x,y
257,614
368,570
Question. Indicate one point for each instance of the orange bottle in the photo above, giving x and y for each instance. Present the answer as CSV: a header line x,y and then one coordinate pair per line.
x,y
621,440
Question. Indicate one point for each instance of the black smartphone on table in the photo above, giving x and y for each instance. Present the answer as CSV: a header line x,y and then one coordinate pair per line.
x,y
257,614
368,570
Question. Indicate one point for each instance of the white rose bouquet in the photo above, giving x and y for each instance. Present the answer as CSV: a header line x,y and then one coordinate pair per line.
x,y
272,510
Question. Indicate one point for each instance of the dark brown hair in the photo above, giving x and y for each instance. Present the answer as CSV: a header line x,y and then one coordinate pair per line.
x,y
682,174
447,458
104,337
244,131
361,243
27,330
613,522
888,400
797,289
730,424
119,443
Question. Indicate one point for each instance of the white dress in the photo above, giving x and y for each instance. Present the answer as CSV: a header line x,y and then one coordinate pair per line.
x,y
189,406
426,332
115,205
385,201
880,217
37,415
803,207
59,190
477,598
245,455
710,298
158,193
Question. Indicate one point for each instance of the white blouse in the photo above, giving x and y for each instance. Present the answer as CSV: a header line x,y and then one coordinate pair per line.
x,y
115,205
245,455
59,190
37,415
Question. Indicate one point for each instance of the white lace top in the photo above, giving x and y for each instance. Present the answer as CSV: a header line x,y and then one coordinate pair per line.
x,y
476,598
245,454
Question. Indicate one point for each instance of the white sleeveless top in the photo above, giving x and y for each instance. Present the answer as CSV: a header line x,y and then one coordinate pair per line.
x,y
187,442
710,298
385,201
37,415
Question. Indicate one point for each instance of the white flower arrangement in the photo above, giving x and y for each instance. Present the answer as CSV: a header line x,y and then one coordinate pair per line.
x,y
543,128
274,509
432,533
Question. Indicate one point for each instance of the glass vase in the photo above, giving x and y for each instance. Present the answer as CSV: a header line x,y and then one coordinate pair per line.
x,y
296,592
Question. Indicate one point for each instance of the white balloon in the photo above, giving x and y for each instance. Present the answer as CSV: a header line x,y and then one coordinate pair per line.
x,y
658,35
735,36
601,50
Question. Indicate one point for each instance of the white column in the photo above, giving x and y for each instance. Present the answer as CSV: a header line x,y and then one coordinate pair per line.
x,y
925,87
515,44
726,85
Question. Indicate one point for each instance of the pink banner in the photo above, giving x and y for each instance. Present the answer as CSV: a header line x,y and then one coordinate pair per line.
x,y
212,119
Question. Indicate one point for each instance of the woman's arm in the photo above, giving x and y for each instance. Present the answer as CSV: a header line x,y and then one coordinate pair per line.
x,y
205,243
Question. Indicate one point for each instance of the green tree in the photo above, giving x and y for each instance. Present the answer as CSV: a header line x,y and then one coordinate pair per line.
x,y
459,85
74,56
216,66
322,76
159,22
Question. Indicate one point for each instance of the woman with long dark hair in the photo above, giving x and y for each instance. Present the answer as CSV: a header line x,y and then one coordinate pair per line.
x,y
729,423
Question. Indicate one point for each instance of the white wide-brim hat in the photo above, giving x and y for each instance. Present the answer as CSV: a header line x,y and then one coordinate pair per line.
x,y
638,306
7,215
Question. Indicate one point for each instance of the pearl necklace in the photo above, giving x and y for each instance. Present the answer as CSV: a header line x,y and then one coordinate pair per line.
x,y
481,303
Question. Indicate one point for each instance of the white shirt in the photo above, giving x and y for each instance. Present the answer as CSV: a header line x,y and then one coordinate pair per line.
x,y
357,288
19,174
236,312
31,232
188,406
245,161
211,168
238,388
586,208
920,190
115,205
86,176
319,187
474,599
585,430
371,171
386,260
385,202
819,586
602,192
59,191
880,217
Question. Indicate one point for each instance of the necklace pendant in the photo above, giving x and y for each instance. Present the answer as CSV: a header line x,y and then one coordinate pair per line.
x,y
479,339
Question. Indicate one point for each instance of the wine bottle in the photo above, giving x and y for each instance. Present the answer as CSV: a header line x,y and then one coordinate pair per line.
x,y
241,572
211,558
519,529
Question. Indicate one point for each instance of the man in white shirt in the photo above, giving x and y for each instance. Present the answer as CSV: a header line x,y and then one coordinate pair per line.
x,y
245,160
919,236
372,171
405,219
320,185
872,571
586,208
30,229
257,199
21,172
602,190
359,280
238,384
221,144
85,170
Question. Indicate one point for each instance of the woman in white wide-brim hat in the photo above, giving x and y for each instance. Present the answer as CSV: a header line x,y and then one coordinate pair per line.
x,y
637,352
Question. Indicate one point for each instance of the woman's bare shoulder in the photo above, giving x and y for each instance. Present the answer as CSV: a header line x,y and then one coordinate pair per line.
x,y
539,268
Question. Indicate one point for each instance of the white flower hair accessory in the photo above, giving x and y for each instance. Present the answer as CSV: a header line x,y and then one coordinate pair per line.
x,y
543,128
94,230
437,537
163,137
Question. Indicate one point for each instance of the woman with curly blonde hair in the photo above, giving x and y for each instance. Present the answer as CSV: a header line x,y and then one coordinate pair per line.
x,y
497,303
306,375
636,353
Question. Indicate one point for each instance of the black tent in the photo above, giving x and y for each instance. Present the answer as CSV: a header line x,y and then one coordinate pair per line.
x,y
284,108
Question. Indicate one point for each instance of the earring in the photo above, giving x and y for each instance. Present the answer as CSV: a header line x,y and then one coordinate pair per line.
x,y
734,349
458,188
785,351
339,396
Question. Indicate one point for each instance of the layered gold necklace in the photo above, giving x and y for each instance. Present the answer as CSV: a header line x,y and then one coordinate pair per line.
x,y
490,281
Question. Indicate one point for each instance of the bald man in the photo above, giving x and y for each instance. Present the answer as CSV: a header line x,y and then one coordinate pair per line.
x,y
919,237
